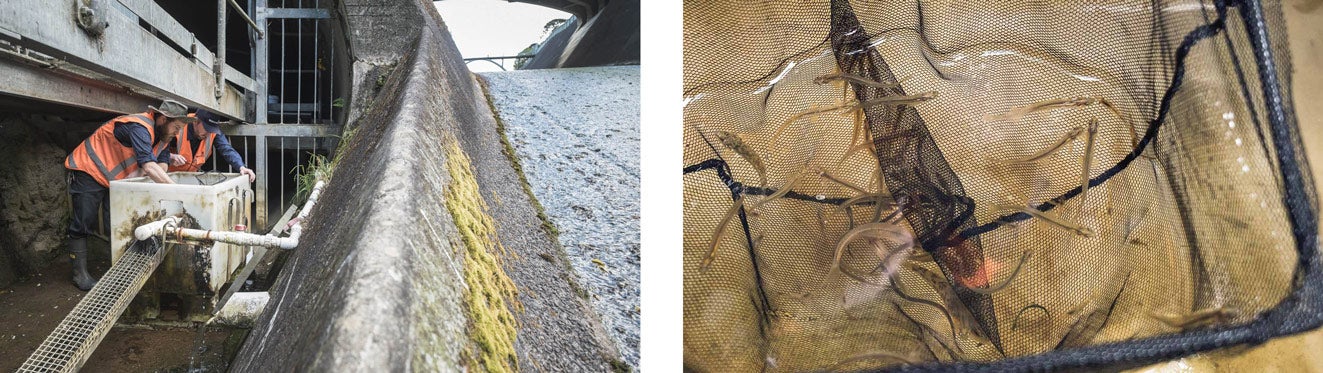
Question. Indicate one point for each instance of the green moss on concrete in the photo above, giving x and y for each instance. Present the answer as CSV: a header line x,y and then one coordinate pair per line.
x,y
491,296
510,154
234,343
383,75
620,366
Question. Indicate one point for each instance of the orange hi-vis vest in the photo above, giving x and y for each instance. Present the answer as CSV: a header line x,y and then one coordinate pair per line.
x,y
193,162
103,157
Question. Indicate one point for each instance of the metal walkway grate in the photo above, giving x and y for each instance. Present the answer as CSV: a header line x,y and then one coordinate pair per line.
x,y
68,347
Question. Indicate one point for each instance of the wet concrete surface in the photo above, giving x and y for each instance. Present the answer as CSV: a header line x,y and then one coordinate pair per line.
x,y
559,330
31,309
577,137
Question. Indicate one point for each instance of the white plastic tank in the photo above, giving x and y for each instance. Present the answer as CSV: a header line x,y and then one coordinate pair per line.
x,y
216,201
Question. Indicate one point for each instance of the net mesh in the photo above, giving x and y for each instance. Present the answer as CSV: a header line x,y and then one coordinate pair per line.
x,y
875,184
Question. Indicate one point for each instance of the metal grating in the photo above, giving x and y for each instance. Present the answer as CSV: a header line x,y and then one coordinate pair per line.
x,y
68,347
300,79
300,97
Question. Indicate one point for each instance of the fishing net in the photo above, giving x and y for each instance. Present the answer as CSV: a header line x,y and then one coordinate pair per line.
x,y
989,185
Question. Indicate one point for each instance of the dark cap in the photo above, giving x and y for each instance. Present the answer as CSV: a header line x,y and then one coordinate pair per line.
x,y
209,118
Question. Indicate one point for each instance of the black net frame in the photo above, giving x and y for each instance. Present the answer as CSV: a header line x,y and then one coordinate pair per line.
x,y
1298,311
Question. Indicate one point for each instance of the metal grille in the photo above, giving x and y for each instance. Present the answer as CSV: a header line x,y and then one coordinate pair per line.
x,y
298,101
300,77
68,347
295,71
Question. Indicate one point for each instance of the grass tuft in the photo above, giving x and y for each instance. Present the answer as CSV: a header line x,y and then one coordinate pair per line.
x,y
319,168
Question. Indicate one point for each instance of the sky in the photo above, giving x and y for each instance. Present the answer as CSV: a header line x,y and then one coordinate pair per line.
x,y
484,28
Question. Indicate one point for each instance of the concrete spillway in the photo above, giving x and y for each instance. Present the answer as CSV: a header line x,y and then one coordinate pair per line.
x,y
575,133
429,215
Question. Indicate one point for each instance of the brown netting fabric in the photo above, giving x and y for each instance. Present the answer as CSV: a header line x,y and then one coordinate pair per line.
x,y
877,184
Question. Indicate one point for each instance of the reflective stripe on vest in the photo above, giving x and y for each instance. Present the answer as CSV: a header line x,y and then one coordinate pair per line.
x,y
104,137
205,150
194,157
96,160
156,151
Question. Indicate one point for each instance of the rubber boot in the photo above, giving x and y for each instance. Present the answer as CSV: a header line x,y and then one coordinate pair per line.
x,y
78,257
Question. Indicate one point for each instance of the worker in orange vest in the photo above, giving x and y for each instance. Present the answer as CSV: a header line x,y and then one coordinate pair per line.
x,y
123,147
192,146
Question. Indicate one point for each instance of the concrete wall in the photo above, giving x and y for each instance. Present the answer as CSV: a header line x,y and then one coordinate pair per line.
x,y
608,37
381,279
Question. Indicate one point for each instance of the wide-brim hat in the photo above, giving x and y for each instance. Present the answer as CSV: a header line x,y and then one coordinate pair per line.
x,y
174,110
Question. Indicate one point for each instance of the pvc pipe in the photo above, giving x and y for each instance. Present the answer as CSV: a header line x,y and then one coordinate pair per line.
x,y
237,238
242,310
160,228
312,199
148,230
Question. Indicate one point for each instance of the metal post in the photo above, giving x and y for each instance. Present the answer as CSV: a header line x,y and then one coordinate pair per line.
x,y
298,77
282,174
330,68
261,62
298,156
261,170
215,158
219,66
316,76
284,70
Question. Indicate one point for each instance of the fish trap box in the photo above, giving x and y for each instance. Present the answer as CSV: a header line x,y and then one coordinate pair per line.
x,y
192,274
